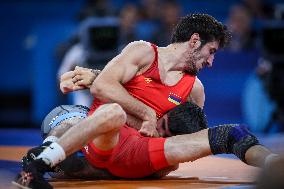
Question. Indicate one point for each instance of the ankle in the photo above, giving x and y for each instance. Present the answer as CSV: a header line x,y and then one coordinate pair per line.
x,y
53,154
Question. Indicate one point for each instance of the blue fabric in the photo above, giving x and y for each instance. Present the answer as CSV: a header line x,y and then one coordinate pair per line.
x,y
66,116
238,132
80,154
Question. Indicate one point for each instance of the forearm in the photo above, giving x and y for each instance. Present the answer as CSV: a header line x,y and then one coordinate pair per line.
x,y
134,122
115,92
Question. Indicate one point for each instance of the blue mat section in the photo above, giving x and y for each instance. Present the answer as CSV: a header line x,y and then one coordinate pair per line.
x,y
20,137
8,172
10,166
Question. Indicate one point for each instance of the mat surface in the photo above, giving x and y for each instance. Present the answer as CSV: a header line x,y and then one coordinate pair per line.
x,y
209,172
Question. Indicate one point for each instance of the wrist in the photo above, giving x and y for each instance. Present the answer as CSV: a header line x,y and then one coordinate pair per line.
x,y
95,72
150,115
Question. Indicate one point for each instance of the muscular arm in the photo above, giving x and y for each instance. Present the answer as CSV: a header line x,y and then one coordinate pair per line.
x,y
82,78
108,86
136,56
197,94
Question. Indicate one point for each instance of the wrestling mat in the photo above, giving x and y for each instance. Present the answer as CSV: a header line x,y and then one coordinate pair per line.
x,y
209,172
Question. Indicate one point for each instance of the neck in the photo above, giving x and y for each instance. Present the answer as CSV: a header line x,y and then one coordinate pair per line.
x,y
172,56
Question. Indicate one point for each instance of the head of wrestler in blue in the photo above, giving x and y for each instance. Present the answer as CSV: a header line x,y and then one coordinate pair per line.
x,y
60,114
205,35
186,118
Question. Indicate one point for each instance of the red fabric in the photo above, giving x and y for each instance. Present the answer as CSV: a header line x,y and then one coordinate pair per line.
x,y
157,153
149,89
131,157
97,157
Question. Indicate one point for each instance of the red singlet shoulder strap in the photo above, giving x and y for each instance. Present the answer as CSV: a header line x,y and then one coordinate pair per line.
x,y
153,68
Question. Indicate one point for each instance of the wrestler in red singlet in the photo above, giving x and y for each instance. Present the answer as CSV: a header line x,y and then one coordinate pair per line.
x,y
136,156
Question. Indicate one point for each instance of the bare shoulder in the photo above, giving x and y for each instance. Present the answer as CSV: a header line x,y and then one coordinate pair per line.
x,y
141,50
197,94
140,44
135,56
198,86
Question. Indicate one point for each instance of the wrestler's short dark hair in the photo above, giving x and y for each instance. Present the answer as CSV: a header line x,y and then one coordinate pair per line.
x,y
186,118
205,25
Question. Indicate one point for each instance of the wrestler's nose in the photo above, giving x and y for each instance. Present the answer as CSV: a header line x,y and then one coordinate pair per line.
x,y
210,60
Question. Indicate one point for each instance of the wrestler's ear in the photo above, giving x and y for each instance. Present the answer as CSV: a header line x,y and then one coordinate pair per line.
x,y
194,41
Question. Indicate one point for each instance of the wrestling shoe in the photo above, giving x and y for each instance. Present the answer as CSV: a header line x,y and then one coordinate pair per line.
x,y
31,177
33,153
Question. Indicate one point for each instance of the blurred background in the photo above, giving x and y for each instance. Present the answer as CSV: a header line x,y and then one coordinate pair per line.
x,y
42,39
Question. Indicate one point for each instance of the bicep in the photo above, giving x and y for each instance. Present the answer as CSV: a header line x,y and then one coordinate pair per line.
x,y
120,69
125,66
197,94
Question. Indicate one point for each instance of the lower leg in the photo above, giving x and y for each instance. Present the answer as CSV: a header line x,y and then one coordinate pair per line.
x,y
259,156
106,119
238,140
234,139
189,147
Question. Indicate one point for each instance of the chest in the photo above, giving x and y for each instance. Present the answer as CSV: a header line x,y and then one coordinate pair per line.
x,y
157,95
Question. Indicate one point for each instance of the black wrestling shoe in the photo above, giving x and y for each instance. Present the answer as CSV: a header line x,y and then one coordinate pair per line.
x,y
33,153
31,176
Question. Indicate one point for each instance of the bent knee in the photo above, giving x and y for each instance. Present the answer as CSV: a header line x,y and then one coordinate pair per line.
x,y
113,113
117,113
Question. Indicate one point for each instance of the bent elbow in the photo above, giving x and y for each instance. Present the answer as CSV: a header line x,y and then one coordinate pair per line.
x,y
96,89
100,91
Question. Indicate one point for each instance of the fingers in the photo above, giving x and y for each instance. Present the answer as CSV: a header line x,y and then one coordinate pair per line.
x,y
81,80
66,86
67,75
77,78
82,77
71,74
80,68
77,87
145,132
78,71
80,83
82,71
156,134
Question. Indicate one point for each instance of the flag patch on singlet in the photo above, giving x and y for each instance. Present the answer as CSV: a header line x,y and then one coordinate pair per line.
x,y
173,98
